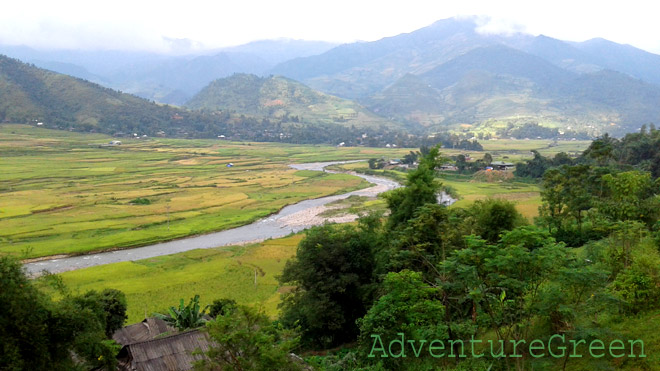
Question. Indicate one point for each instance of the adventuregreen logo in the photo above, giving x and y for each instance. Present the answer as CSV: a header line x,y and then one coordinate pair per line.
x,y
556,347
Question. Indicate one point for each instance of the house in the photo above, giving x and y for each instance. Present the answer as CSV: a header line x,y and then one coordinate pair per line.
x,y
153,345
448,167
501,165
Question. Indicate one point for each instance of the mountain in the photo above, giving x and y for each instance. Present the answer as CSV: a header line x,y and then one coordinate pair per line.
x,y
175,80
171,79
623,58
359,69
504,84
281,50
282,99
29,94
449,75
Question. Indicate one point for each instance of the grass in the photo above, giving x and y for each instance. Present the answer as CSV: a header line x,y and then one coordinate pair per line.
x,y
152,285
70,193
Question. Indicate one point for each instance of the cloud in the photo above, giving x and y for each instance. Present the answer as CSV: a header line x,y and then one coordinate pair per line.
x,y
167,25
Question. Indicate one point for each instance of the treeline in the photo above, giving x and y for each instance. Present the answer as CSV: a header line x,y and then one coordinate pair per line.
x,y
635,151
532,130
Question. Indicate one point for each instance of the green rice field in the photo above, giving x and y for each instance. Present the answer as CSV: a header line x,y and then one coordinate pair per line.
x,y
71,193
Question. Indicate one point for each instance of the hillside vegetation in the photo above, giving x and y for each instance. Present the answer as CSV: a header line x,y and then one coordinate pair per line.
x,y
283,99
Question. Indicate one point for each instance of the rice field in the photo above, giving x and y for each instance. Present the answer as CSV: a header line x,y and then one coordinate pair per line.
x,y
152,285
72,193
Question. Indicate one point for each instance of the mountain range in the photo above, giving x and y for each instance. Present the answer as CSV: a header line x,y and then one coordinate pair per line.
x,y
447,76
171,79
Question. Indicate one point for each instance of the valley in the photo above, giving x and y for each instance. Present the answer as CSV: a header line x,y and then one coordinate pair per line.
x,y
61,187
452,183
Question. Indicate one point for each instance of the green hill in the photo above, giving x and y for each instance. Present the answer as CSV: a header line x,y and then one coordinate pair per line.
x,y
283,99
29,94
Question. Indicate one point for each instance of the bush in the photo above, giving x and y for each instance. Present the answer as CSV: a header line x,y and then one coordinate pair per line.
x,y
140,201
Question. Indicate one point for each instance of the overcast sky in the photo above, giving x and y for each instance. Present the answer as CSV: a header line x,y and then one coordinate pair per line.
x,y
153,25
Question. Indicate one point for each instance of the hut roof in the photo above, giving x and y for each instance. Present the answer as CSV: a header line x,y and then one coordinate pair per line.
x,y
148,329
173,352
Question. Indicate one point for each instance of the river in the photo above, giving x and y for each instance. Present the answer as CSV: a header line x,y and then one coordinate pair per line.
x,y
286,221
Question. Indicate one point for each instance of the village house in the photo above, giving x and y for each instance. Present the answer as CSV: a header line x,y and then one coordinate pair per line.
x,y
501,165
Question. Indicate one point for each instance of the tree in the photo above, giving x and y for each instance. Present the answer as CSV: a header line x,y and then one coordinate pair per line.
x,y
40,334
491,217
333,279
110,308
245,339
534,168
410,158
421,188
601,150
221,307
427,239
497,285
186,316
461,163
487,159
632,196
409,306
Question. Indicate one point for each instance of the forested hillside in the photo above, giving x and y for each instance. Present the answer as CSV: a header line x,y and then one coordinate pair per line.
x,y
283,99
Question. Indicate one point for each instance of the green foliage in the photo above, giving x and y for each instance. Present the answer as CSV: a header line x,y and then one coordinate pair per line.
x,y
140,201
409,306
410,158
221,307
492,217
39,334
567,194
421,188
534,168
245,339
640,150
426,239
186,316
633,195
109,306
333,278
376,163
497,286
